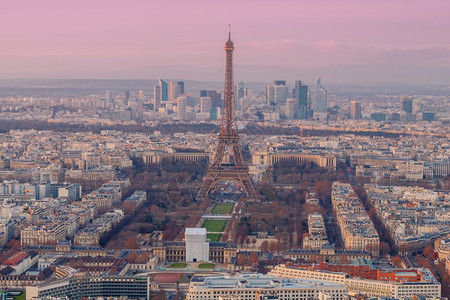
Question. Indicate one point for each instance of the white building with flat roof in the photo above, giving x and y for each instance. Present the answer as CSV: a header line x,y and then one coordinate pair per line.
x,y
197,246
258,286
428,285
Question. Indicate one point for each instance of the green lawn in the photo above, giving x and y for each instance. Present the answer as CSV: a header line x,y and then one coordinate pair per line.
x,y
206,266
21,296
222,209
179,265
215,225
214,237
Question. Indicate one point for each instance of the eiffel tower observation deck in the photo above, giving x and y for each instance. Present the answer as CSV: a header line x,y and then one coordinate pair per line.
x,y
233,169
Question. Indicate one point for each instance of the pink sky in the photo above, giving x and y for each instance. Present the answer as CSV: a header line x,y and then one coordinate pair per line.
x,y
343,41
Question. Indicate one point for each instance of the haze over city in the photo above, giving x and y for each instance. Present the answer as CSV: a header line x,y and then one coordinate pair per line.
x,y
186,150
344,41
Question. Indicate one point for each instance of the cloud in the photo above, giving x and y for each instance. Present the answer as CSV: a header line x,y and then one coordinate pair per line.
x,y
438,57
326,46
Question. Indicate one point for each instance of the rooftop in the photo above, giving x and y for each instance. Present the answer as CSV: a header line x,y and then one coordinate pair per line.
x,y
258,281
195,231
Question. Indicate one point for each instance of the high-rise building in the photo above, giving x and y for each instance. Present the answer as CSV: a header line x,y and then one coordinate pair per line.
x,y
280,93
428,116
216,97
174,90
269,95
141,95
205,104
108,96
291,108
320,100
248,92
239,94
181,108
304,106
407,104
156,97
126,98
164,90
276,93
214,113
279,82
355,110
181,87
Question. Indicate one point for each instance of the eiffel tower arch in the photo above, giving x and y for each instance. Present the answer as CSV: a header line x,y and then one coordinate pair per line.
x,y
222,168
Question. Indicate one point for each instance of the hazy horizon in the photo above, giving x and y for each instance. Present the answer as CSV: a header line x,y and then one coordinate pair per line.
x,y
343,42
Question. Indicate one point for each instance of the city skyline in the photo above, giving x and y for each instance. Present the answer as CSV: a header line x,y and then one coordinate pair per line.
x,y
343,42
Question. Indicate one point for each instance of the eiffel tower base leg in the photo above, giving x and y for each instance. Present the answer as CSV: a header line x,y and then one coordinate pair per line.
x,y
240,177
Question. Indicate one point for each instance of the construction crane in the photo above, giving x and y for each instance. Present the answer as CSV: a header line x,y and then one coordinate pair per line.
x,y
26,193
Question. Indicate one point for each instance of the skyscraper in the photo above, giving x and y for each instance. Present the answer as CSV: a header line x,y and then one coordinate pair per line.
x,y
214,113
276,93
126,98
164,90
291,108
269,95
141,95
304,106
280,93
320,101
205,104
279,82
156,97
181,108
108,96
181,87
355,110
174,90
239,92
407,104
216,97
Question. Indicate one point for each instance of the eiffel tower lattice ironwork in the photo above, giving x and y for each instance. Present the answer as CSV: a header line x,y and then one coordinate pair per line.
x,y
235,169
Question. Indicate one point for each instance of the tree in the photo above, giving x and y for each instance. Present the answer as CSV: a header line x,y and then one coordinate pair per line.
x,y
111,245
429,252
225,237
397,261
242,259
132,257
144,257
384,248
160,295
274,246
253,258
14,244
131,243
323,190
344,260
264,246
253,242
242,238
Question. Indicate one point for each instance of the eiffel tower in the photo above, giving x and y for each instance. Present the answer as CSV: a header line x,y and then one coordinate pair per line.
x,y
233,169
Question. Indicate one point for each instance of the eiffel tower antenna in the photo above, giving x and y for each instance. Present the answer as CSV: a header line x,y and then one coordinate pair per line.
x,y
235,169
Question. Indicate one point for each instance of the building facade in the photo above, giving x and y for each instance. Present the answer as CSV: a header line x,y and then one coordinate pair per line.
x,y
258,286
176,252
428,286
